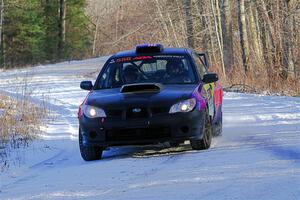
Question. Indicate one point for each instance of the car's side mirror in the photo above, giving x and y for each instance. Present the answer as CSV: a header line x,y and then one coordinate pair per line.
x,y
210,78
86,85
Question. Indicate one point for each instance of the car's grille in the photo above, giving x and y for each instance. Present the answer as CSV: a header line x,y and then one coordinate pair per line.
x,y
114,113
159,110
138,134
136,113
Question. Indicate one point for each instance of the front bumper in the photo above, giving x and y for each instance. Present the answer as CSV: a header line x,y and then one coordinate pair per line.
x,y
175,127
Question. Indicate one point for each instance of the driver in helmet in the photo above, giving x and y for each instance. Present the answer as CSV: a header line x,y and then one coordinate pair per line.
x,y
175,72
130,74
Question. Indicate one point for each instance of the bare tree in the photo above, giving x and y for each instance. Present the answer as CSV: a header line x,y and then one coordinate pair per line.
x,y
162,19
260,38
287,39
227,34
62,28
255,33
215,12
1,34
243,35
187,6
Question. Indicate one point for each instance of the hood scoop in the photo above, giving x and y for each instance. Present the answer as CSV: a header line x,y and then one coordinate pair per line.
x,y
141,87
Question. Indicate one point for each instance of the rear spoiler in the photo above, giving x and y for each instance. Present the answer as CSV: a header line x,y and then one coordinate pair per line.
x,y
141,87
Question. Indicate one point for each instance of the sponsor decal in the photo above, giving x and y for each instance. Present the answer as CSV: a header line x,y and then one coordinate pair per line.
x,y
168,56
142,58
128,59
138,58
125,59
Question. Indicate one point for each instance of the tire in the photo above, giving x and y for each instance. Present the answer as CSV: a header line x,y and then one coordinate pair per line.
x,y
205,142
174,144
89,153
217,129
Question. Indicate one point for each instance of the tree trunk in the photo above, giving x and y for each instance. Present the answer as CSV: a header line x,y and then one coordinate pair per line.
x,y
268,22
181,22
219,37
2,61
95,36
287,41
173,30
243,35
187,6
227,35
205,37
62,28
219,21
164,24
212,43
257,48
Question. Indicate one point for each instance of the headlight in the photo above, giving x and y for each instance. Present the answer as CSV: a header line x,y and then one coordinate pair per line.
x,y
183,106
93,112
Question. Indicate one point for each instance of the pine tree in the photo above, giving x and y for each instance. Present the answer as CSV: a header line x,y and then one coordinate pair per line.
x,y
23,34
37,31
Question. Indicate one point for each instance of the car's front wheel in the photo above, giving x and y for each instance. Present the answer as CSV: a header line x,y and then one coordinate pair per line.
x,y
89,153
205,142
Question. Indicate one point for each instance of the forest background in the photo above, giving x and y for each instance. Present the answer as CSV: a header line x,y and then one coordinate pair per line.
x,y
254,43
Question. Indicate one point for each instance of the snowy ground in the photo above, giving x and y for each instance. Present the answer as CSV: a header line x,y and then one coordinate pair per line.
x,y
258,156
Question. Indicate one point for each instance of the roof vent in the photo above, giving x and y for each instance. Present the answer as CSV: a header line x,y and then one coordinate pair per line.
x,y
141,87
149,48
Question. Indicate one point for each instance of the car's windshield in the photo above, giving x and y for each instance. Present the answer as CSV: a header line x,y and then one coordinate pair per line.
x,y
165,69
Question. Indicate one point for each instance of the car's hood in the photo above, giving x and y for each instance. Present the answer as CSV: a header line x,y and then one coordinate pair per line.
x,y
112,98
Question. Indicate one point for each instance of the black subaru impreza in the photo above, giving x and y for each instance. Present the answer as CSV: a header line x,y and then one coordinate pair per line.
x,y
150,95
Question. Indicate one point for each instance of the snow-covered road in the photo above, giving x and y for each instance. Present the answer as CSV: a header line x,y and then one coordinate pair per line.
x,y
258,156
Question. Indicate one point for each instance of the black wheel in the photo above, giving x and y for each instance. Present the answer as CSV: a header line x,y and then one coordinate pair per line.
x,y
205,142
174,144
89,153
217,129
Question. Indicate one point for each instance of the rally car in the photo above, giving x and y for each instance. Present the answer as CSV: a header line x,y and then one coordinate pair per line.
x,y
150,95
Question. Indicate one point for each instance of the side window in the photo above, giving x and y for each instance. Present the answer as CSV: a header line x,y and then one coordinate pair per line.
x,y
200,66
117,75
103,80
110,77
